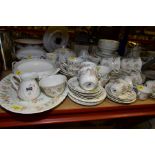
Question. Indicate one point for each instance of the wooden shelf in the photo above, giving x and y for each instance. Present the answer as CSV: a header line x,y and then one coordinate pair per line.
x,y
69,111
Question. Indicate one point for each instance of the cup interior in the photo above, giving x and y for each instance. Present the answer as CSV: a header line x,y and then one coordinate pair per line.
x,y
52,81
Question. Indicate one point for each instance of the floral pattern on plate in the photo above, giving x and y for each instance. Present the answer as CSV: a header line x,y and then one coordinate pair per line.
x,y
10,101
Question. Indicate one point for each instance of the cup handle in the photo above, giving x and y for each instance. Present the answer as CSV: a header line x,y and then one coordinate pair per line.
x,y
14,81
13,63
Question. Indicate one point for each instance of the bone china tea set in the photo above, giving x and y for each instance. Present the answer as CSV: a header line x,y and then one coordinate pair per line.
x,y
40,81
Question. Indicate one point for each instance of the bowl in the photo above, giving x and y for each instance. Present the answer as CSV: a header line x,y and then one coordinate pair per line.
x,y
53,85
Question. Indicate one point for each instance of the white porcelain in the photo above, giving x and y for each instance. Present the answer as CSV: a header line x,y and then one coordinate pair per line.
x,y
26,86
125,97
42,67
29,52
53,57
143,92
137,64
88,64
88,78
83,54
104,80
108,44
73,83
55,39
54,85
131,64
127,65
10,101
112,62
119,86
151,85
63,54
128,79
72,60
103,70
136,78
93,101
94,59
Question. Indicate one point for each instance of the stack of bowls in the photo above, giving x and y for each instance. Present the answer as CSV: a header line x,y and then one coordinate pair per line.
x,y
107,48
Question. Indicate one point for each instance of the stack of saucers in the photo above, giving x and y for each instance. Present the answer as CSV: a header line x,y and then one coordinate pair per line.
x,y
125,97
85,97
107,48
64,69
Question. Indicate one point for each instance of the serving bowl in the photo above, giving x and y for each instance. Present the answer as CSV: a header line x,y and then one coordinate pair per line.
x,y
42,67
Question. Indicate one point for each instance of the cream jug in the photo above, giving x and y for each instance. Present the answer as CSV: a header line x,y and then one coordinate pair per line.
x,y
26,86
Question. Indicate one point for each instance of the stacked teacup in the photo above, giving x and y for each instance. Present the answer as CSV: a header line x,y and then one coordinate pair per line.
x,y
71,66
146,90
121,90
132,67
107,48
85,88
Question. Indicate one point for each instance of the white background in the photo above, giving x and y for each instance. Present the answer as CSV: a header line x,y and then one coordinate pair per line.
x,y
77,13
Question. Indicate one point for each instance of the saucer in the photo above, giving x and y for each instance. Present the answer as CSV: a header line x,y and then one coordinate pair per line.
x,y
128,97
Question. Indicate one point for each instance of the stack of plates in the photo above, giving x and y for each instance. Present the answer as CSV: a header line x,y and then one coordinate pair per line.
x,y
107,48
85,97
64,69
125,98
105,53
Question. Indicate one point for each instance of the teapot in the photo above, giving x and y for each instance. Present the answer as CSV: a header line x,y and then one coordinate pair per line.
x,y
26,86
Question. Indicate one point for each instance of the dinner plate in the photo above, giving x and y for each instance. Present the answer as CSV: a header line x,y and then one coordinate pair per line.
x,y
10,101
86,95
83,103
95,99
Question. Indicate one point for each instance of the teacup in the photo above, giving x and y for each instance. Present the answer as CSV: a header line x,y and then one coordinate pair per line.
x,y
131,64
74,61
127,64
83,54
143,92
128,79
137,64
88,78
136,78
88,64
93,59
151,85
53,85
119,86
104,79
103,70
112,62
